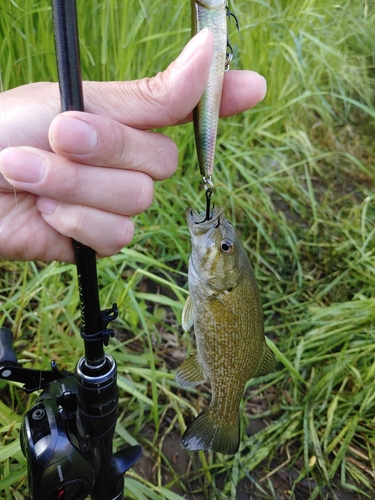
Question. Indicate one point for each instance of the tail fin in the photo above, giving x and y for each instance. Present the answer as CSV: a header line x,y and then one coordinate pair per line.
x,y
205,433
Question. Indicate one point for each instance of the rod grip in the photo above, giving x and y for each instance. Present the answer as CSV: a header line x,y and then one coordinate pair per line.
x,y
7,354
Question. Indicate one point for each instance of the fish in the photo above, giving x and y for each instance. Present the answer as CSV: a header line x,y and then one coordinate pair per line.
x,y
211,14
225,309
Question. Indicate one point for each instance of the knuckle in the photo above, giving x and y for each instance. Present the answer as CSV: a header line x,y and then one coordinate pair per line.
x,y
73,224
161,159
121,236
154,88
135,195
155,92
169,159
144,195
121,146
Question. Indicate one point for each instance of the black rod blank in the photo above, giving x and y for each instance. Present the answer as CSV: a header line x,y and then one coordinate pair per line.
x,y
67,54
71,95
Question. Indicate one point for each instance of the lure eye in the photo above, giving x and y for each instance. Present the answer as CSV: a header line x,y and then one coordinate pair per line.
x,y
227,247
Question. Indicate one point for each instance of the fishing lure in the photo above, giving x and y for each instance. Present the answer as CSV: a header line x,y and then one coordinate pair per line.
x,y
211,14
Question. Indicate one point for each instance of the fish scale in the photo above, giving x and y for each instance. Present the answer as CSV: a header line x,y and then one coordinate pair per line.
x,y
225,309
222,339
211,14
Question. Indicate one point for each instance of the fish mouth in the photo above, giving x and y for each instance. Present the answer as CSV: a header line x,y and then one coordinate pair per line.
x,y
199,222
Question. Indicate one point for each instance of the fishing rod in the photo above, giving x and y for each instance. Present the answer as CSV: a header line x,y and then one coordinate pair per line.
x,y
67,435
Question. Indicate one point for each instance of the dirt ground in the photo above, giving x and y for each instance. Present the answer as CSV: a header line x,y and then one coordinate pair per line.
x,y
282,479
279,472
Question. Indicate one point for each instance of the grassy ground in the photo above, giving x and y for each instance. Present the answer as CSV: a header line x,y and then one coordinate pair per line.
x,y
296,177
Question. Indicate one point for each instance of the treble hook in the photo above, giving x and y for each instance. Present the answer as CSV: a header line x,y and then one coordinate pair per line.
x,y
229,55
229,15
208,185
208,204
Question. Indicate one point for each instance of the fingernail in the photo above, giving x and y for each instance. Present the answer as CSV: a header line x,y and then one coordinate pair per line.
x,y
46,205
73,136
19,165
264,90
196,43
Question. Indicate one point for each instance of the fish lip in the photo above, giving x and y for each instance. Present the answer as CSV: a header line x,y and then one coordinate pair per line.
x,y
195,219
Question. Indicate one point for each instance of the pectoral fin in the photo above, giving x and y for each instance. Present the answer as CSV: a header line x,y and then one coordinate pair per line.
x,y
190,373
188,315
268,363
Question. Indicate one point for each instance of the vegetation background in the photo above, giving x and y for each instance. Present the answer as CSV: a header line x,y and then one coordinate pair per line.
x,y
296,177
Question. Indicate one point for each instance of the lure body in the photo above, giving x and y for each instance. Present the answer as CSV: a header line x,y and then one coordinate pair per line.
x,y
211,14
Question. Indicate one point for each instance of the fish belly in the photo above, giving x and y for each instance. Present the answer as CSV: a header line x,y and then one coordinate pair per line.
x,y
230,343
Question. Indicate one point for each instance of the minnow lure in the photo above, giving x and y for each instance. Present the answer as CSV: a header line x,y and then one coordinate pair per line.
x,y
211,14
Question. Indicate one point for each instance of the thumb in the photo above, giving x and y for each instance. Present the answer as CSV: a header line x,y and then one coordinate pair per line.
x,y
162,100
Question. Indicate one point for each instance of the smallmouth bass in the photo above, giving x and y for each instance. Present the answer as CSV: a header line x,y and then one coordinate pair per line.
x,y
211,14
225,308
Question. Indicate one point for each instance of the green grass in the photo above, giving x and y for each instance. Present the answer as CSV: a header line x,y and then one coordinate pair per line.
x,y
296,176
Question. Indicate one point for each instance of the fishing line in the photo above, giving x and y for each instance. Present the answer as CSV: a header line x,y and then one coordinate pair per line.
x,y
17,208
5,118
28,266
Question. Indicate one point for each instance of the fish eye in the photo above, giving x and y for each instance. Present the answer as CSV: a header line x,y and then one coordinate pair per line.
x,y
227,247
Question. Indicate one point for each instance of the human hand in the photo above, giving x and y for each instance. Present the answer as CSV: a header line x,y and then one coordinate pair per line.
x,y
83,175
